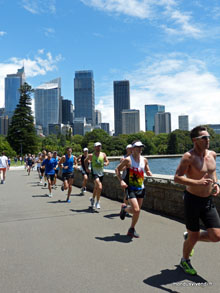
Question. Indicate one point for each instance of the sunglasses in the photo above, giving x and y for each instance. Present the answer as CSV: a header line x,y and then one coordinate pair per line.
x,y
203,137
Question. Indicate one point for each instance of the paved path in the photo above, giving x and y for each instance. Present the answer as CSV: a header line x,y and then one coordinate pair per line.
x,y
48,245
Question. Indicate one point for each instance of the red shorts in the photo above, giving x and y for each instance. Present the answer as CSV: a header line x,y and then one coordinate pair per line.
x,y
2,169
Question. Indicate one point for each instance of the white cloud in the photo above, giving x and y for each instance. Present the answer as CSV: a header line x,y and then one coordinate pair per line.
x,y
49,32
39,6
2,33
135,8
172,20
182,24
33,67
105,105
182,84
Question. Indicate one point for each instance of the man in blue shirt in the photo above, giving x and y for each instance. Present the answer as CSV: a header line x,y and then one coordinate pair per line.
x,y
67,163
50,165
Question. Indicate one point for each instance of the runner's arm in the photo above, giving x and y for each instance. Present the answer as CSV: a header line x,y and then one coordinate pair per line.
x,y
106,161
87,161
75,162
122,166
147,168
61,161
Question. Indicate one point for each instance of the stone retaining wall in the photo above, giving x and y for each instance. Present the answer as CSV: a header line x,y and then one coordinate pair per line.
x,y
162,194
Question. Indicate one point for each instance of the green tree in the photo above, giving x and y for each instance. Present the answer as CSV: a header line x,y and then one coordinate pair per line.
x,y
93,136
21,133
172,147
5,146
77,139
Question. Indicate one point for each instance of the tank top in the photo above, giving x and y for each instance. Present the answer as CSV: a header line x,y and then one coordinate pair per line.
x,y
82,163
135,174
69,162
97,164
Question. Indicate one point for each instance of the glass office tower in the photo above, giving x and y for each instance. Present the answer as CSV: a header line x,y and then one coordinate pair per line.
x,y
150,112
183,122
13,83
67,112
84,96
130,121
48,104
121,102
162,123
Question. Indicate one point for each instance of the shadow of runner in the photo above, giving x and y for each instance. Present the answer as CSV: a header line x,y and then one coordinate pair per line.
x,y
116,237
58,201
40,195
174,277
88,210
112,216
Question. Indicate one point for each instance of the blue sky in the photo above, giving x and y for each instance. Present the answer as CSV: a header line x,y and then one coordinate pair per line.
x,y
168,49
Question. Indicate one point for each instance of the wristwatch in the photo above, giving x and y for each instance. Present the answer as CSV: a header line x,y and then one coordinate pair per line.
x,y
216,184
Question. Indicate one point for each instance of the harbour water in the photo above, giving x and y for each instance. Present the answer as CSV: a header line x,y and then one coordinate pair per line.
x,y
164,166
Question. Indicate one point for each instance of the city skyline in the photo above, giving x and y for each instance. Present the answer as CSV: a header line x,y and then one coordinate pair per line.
x,y
166,49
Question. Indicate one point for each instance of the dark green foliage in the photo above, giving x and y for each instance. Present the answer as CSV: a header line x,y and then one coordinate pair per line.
x,y
21,133
179,142
5,147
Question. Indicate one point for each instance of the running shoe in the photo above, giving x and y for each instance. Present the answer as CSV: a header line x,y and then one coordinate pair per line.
x,y
68,200
92,201
45,184
185,236
185,264
82,191
62,188
132,233
97,205
50,195
123,212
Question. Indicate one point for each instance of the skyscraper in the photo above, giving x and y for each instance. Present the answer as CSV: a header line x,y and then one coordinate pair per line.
x,y
130,121
48,104
105,126
84,96
162,122
67,112
13,83
98,117
121,102
183,122
150,112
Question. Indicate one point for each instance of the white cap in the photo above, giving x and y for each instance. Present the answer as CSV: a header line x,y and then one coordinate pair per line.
x,y
138,144
85,150
97,144
129,146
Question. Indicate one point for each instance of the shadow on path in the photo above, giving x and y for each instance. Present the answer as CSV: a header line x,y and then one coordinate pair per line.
x,y
58,201
112,216
176,278
116,237
40,195
88,210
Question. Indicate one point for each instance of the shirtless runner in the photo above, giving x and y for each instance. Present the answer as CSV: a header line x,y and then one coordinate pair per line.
x,y
197,170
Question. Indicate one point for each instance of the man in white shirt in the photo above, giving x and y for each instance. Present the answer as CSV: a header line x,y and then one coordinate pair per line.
x,y
3,166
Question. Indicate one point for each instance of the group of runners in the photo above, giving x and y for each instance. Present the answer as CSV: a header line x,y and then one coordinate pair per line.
x,y
197,171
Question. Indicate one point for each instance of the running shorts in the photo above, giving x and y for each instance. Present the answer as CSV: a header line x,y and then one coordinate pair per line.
x,y
134,194
95,176
195,208
51,177
67,176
